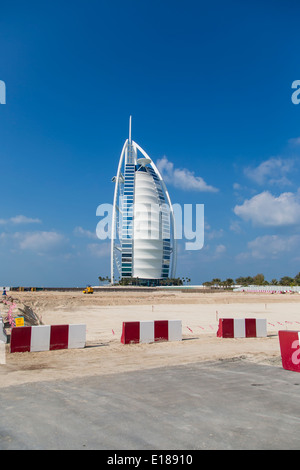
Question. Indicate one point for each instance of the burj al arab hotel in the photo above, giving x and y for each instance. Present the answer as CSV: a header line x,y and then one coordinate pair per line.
x,y
143,242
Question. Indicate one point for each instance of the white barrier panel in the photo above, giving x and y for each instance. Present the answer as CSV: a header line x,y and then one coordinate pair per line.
x,y
147,332
239,328
2,353
261,328
175,330
3,337
77,336
40,338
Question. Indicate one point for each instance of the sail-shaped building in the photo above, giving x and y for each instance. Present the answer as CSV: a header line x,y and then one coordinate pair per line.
x,y
143,241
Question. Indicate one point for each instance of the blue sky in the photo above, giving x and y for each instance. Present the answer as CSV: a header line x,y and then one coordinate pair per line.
x,y
209,87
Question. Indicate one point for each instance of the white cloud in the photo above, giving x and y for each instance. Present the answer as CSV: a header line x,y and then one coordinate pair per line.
x,y
213,234
100,250
20,219
220,249
271,247
81,232
39,241
182,178
235,226
266,210
295,142
271,171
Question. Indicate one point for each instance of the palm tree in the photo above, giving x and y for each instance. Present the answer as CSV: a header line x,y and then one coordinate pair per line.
x,y
229,282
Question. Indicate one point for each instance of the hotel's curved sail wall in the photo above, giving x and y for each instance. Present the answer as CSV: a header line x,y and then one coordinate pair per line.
x,y
143,226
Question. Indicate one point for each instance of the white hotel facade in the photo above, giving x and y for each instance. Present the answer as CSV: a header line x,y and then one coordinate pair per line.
x,y
143,241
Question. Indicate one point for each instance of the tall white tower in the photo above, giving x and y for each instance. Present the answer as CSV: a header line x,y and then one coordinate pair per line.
x,y
143,242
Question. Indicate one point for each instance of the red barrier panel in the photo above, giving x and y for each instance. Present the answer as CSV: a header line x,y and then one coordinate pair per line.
x,y
226,328
59,337
250,326
161,330
289,348
20,339
130,332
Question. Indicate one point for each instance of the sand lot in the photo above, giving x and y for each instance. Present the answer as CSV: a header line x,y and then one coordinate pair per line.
x,y
104,312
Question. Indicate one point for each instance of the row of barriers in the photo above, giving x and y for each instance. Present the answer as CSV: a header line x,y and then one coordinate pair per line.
x,y
55,337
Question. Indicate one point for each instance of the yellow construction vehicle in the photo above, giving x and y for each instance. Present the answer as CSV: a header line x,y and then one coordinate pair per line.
x,y
88,290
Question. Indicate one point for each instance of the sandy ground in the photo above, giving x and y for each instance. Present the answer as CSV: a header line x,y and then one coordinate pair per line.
x,y
104,312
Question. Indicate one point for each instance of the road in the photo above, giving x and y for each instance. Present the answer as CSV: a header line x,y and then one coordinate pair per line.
x,y
219,405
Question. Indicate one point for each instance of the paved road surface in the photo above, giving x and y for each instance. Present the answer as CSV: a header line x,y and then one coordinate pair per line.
x,y
220,405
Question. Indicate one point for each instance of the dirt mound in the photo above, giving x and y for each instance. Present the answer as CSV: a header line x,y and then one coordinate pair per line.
x,y
11,308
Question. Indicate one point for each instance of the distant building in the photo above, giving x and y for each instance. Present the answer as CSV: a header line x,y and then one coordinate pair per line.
x,y
143,243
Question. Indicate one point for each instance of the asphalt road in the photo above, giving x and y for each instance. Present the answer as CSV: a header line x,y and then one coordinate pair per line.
x,y
220,405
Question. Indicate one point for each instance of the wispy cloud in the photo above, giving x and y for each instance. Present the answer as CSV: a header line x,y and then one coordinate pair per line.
x,y
39,242
182,178
235,226
211,234
295,142
220,249
20,219
271,171
100,250
270,246
81,232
